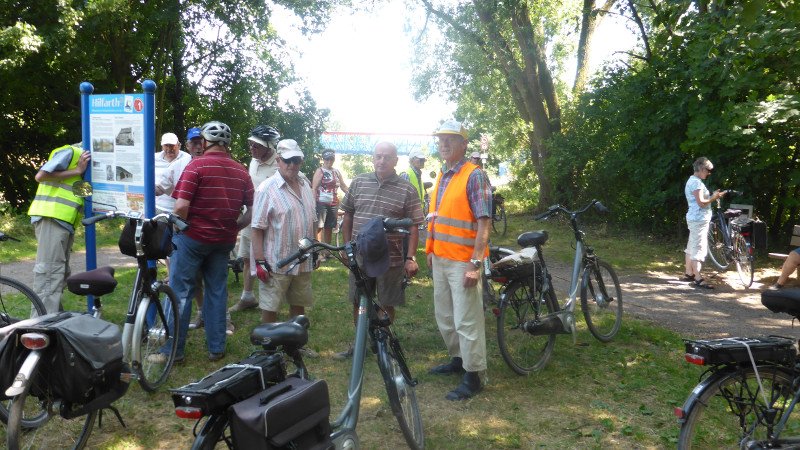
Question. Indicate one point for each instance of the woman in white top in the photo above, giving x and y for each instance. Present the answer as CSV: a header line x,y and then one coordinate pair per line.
x,y
697,220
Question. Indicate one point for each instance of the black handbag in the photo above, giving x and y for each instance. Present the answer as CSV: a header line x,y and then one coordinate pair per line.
x,y
156,239
292,414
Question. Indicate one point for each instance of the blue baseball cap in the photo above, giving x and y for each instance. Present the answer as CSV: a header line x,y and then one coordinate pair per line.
x,y
192,133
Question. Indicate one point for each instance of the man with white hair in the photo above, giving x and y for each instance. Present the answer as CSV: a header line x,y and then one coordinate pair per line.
x,y
170,155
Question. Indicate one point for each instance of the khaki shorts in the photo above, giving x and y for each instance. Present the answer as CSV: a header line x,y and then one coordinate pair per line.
x,y
292,289
388,288
697,247
244,246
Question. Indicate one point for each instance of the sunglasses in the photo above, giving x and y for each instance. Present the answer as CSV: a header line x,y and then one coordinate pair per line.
x,y
293,160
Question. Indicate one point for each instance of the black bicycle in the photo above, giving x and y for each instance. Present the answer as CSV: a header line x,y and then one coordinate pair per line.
x,y
499,219
727,244
748,395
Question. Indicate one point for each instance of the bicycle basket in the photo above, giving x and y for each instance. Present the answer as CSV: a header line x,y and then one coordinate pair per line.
x,y
156,239
773,349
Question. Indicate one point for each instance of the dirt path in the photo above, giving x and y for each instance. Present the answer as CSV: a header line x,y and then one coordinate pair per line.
x,y
728,310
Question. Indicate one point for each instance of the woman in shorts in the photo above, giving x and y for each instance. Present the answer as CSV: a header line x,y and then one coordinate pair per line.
x,y
325,185
697,220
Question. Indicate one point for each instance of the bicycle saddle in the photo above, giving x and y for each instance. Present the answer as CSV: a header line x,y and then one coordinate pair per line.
x,y
782,301
97,282
730,213
273,335
532,238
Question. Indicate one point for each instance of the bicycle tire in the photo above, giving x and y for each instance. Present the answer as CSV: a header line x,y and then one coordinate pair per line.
x,y
521,302
401,392
17,302
215,431
601,309
150,337
745,264
716,246
726,408
54,432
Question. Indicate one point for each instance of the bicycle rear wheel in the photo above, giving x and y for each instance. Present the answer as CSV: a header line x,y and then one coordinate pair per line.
x,y
731,413
522,302
53,431
500,221
151,330
601,300
400,390
17,302
716,246
215,433
745,262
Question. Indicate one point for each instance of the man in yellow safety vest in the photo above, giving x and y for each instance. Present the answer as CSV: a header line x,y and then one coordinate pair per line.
x,y
54,213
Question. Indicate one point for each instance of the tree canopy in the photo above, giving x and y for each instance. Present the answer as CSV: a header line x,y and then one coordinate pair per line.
x,y
210,60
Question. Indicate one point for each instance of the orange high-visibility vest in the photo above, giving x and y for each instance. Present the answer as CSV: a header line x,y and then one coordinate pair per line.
x,y
452,229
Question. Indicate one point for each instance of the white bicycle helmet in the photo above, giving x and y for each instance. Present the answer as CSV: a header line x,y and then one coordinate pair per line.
x,y
215,131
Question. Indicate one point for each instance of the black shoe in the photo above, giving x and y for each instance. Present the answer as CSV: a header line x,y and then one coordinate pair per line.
x,y
453,367
687,277
215,356
702,284
469,387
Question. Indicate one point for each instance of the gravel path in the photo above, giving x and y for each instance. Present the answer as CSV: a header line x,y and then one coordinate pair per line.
x,y
728,310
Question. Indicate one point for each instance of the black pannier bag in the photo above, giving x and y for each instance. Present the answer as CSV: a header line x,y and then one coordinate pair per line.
x,y
156,239
86,361
292,414
755,231
231,384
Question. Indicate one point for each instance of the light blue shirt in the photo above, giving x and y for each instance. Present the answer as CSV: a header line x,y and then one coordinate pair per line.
x,y
696,213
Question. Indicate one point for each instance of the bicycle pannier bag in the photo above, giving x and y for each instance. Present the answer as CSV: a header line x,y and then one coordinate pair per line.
x,y
87,359
231,384
156,239
292,414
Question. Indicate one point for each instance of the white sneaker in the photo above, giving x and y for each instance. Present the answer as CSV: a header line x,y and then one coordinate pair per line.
x,y
229,328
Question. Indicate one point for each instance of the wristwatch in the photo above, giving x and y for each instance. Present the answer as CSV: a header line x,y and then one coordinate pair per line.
x,y
411,258
476,262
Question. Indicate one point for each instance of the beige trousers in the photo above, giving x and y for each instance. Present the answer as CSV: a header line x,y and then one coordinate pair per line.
x,y
52,262
459,313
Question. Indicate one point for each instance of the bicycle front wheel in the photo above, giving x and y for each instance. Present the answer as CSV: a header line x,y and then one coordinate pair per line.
x,y
601,300
53,431
716,247
17,302
400,390
522,302
745,264
153,329
731,412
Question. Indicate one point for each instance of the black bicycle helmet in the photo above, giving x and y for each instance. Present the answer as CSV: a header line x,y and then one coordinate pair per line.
x,y
266,135
215,131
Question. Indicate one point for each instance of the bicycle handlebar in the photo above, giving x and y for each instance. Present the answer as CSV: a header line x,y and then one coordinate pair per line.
x,y
554,209
307,245
5,237
173,219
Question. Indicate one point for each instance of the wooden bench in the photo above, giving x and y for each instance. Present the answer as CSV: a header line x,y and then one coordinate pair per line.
x,y
794,243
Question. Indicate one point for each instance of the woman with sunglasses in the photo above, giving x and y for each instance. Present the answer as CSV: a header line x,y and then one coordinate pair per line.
x,y
697,220
325,184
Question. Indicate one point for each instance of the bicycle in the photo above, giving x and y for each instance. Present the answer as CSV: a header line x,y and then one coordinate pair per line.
x,y
150,324
17,302
499,219
746,398
727,243
373,322
530,309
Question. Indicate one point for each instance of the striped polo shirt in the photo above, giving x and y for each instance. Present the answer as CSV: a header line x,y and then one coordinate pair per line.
x,y
217,187
394,197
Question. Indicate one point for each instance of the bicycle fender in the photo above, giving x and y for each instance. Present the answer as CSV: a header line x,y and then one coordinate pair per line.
x,y
25,374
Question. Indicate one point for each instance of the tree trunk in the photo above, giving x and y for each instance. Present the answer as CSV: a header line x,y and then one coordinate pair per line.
x,y
590,20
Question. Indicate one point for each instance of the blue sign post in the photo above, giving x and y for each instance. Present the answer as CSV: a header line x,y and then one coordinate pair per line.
x,y
119,130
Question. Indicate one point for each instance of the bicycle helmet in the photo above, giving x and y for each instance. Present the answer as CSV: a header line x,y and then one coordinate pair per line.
x,y
215,131
266,136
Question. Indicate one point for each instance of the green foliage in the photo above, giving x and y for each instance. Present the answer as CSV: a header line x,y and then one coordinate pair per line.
x,y
722,88
210,60
356,165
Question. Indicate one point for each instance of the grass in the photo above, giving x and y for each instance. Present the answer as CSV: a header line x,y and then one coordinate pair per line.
x,y
590,395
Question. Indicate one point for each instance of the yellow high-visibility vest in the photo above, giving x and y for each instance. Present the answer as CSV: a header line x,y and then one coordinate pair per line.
x,y
55,199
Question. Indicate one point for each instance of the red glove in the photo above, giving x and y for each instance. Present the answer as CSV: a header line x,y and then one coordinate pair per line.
x,y
262,271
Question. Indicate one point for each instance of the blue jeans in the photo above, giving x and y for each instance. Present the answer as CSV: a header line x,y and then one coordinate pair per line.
x,y
212,260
